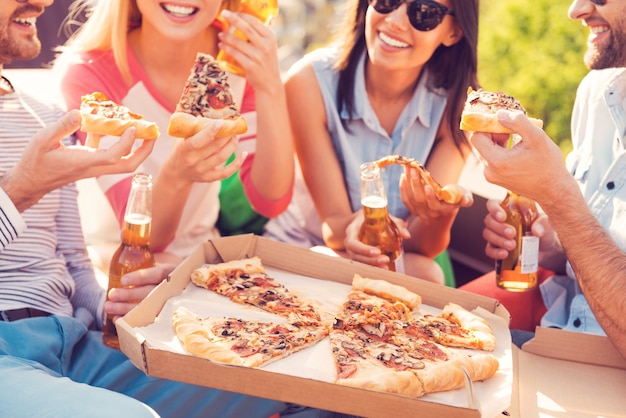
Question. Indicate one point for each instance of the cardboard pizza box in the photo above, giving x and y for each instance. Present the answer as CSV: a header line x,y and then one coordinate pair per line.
x,y
570,374
160,361
551,387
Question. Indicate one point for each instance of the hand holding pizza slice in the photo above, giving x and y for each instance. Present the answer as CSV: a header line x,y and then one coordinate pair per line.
x,y
102,116
206,98
481,106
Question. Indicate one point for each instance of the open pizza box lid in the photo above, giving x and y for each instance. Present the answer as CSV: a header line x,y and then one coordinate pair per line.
x,y
156,359
568,374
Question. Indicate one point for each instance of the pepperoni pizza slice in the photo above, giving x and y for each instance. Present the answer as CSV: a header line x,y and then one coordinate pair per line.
x,y
206,98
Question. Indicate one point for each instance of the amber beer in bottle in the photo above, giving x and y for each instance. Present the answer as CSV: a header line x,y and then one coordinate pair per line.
x,y
518,272
378,229
264,10
134,252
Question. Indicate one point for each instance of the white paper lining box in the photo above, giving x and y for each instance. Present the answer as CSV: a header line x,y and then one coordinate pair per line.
x,y
164,358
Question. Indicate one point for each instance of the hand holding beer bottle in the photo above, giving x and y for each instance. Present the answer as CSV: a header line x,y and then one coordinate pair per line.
x,y
134,252
518,271
378,229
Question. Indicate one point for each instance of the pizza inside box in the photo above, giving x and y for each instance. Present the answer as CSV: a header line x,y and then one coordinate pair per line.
x,y
306,377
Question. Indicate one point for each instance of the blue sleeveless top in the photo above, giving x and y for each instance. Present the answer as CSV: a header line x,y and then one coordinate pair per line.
x,y
413,136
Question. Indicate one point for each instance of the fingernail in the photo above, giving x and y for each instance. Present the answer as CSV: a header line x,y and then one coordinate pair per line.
x,y
227,13
504,115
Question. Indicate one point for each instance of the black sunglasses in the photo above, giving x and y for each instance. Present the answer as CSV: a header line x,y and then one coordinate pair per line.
x,y
598,2
424,15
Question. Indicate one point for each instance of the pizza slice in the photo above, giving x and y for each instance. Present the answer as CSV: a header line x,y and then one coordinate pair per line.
x,y
481,106
206,98
245,282
105,117
234,341
376,345
450,193
457,327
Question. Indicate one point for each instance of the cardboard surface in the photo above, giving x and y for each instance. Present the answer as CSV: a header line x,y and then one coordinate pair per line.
x,y
547,387
575,346
161,362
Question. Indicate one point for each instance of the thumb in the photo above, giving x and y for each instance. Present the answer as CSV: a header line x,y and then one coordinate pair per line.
x,y
518,122
64,127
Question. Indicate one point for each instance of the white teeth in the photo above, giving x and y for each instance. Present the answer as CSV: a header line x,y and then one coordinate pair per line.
x,y
180,11
26,20
392,42
598,29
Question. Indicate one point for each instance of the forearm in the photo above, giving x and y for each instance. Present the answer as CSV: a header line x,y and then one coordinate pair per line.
x,y
600,266
273,168
334,230
20,190
429,238
169,198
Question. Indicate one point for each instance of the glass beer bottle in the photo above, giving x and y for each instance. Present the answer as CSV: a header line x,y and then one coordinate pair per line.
x,y
378,229
134,252
518,271
264,10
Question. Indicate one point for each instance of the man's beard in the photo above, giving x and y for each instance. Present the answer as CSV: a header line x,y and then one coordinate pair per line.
x,y
613,55
16,49
11,51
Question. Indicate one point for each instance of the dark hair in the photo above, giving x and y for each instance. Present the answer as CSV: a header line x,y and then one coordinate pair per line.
x,y
453,68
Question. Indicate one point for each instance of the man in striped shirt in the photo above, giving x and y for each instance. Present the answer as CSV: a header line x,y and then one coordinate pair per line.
x,y
52,359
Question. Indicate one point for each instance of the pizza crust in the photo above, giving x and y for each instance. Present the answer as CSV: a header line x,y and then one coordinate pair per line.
x,y
386,291
197,337
483,336
202,274
488,122
448,375
184,125
115,127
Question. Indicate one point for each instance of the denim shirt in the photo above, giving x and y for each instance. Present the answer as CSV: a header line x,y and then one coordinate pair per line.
x,y
365,139
598,163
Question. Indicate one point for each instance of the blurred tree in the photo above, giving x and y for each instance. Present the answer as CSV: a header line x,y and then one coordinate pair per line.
x,y
534,52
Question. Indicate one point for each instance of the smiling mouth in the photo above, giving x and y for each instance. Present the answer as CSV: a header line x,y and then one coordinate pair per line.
x,y
391,41
595,30
179,11
26,21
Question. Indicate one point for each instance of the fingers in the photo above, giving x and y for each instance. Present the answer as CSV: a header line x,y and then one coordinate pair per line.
x,y
64,127
150,276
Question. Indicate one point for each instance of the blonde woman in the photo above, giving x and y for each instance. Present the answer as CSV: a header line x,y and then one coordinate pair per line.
x,y
139,53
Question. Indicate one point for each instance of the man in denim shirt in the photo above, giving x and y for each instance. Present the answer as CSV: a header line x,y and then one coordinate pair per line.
x,y
584,200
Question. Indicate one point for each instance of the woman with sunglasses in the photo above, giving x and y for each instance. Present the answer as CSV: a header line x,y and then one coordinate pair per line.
x,y
396,83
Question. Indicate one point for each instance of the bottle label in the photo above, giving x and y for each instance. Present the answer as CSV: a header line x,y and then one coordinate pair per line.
x,y
529,257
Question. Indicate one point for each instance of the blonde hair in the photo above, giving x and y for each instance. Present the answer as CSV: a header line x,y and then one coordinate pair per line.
x,y
107,28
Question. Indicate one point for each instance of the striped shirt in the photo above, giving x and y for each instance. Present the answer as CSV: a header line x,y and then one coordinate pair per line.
x,y
43,258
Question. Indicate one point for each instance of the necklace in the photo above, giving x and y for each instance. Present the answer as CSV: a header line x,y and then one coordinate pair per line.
x,y
5,86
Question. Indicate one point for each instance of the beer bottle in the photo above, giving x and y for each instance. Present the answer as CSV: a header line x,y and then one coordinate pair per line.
x,y
518,271
378,229
134,252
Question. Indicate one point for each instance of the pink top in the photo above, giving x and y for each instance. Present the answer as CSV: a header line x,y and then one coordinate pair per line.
x,y
97,71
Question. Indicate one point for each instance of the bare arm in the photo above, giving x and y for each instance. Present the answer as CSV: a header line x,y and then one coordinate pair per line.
x,y
320,166
430,217
199,158
603,282
273,168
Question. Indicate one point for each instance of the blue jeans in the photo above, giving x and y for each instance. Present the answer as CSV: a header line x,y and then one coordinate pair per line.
x,y
54,367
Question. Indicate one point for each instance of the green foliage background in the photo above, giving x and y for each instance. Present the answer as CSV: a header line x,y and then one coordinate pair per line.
x,y
534,52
